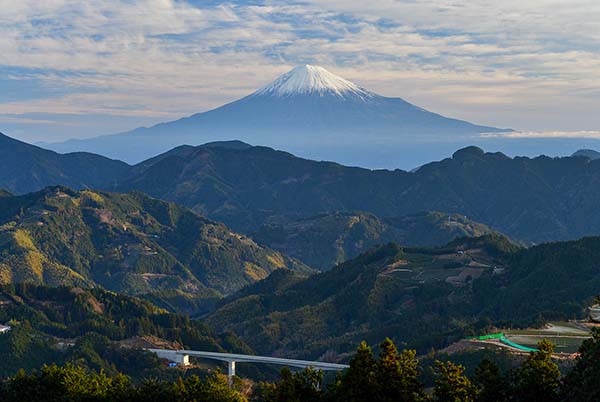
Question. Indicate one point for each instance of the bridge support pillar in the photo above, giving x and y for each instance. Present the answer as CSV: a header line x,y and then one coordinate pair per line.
x,y
230,372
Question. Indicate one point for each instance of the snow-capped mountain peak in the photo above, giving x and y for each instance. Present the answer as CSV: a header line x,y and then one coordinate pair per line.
x,y
310,79
308,111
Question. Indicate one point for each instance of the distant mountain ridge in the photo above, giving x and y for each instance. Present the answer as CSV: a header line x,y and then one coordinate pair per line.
x,y
529,199
588,153
308,111
26,168
532,200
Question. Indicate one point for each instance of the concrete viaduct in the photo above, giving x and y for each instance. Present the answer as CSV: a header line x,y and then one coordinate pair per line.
x,y
182,357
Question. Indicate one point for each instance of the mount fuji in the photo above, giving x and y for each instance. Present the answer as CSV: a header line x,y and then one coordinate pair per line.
x,y
308,111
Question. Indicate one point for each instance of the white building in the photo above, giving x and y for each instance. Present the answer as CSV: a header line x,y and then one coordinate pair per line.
x,y
4,328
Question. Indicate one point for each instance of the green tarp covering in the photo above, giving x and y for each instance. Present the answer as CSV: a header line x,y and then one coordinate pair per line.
x,y
500,336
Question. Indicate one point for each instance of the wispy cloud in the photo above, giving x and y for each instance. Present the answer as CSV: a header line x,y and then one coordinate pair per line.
x,y
533,65
545,134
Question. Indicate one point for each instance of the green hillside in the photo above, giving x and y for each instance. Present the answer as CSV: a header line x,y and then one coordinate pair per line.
x,y
325,240
417,295
421,297
95,329
128,243
551,280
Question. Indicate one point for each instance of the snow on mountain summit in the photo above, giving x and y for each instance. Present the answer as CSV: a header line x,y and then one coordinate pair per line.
x,y
310,79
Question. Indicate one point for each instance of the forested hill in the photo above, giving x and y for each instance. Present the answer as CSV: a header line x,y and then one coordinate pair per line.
x,y
248,187
324,240
422,297
126,242
533,200
25,168
96,329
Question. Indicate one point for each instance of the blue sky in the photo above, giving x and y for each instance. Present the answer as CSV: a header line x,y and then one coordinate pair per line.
x,y
78,69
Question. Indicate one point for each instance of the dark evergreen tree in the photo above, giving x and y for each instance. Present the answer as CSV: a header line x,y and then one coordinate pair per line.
x,y
69,383
303,386
358,383
397,375
582,383
538,377
491,384
76,384
451,385
411,389
388,372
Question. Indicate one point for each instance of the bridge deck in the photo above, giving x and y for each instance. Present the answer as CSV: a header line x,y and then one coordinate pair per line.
x,y
238,358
